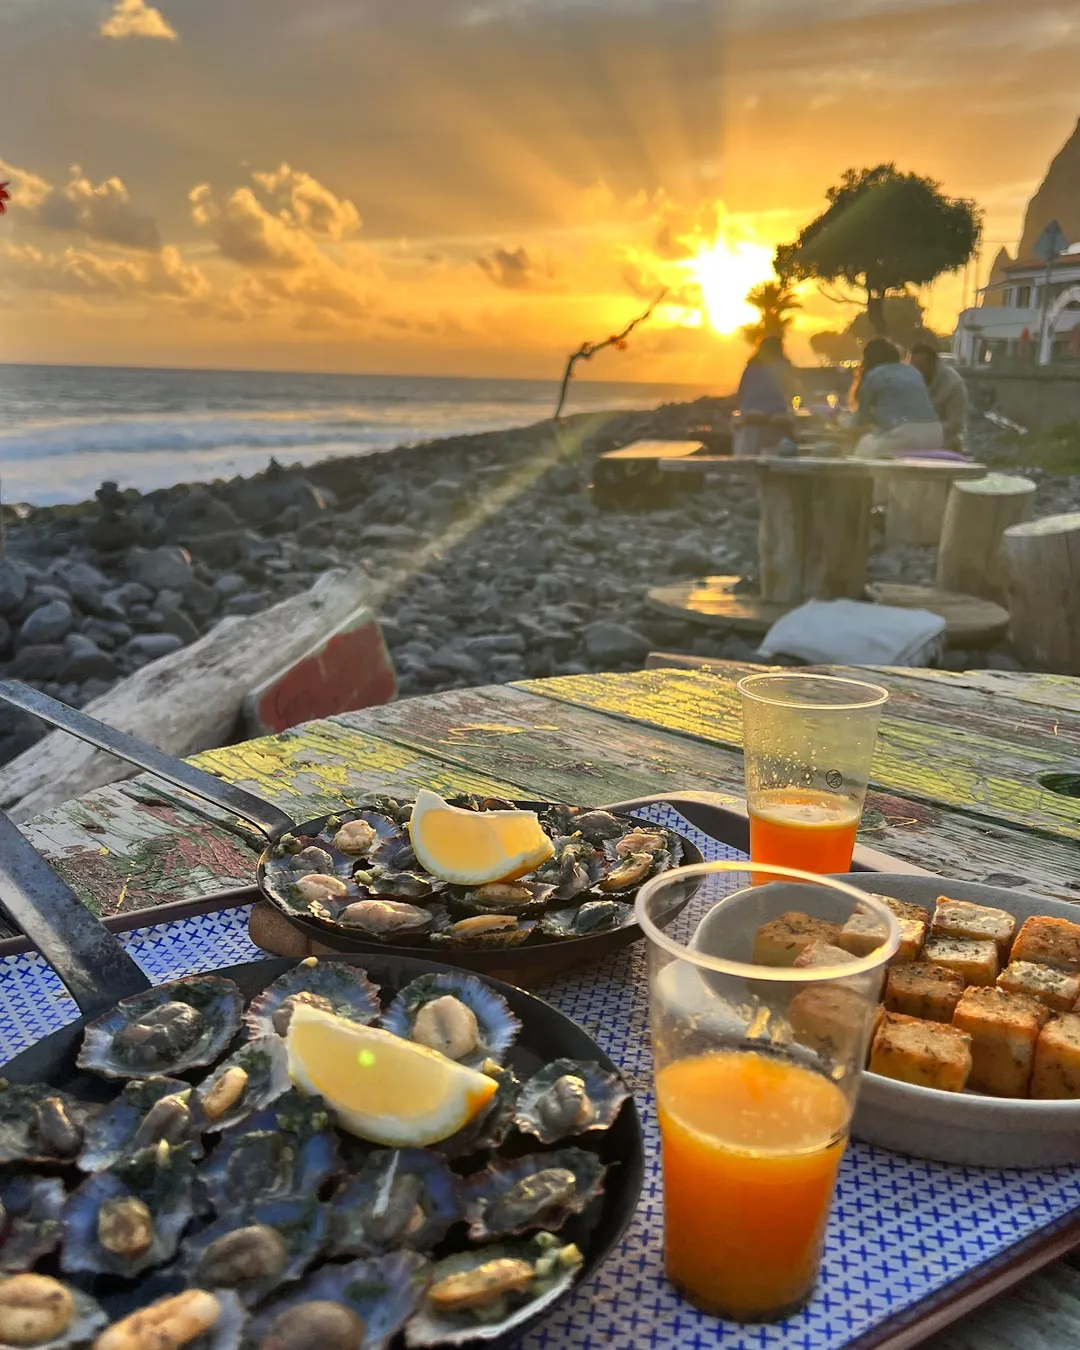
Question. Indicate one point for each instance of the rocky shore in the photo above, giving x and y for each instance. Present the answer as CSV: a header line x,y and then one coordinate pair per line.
x,y
492,562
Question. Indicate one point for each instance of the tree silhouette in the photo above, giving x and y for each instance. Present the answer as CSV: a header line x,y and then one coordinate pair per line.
x,y
882,232
905,318
775,301
588,350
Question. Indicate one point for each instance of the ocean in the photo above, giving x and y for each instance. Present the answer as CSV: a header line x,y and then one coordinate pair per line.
x,y
65,429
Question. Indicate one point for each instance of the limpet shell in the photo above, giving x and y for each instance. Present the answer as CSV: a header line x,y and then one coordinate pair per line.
x,y
344,988
496,1027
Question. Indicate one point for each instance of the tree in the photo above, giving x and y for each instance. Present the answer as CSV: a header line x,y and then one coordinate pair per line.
x,y
882,232
904,317
588,350
775,301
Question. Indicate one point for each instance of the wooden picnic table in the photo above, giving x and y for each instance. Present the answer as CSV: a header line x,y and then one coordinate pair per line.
x,y
963,785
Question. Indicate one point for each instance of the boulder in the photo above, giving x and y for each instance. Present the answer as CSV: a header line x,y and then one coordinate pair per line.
x,y
5,634
48,623
86,583
199,512
158,568
43,661
86,661
200,599
152,646
216,550
174,620
110,533
13,586
607,641
230,584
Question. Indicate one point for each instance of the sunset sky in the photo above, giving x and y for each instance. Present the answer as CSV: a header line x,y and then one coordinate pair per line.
x,y
475,186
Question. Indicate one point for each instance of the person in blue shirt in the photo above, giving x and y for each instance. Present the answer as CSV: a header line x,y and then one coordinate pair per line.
x,y
893,406
764,399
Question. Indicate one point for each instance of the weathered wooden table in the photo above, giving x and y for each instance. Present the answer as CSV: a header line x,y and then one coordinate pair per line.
x,y
975,776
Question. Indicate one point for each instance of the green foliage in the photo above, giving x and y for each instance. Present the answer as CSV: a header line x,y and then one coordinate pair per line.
x,y
776,303
1056,450
882,232
904,319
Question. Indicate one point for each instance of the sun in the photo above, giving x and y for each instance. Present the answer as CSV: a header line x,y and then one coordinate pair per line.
x,y
724,272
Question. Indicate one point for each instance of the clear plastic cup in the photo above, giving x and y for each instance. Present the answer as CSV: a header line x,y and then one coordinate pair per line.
x,y
757,1068
808,742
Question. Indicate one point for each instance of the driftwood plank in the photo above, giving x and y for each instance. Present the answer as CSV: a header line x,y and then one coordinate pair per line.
x,y
935,762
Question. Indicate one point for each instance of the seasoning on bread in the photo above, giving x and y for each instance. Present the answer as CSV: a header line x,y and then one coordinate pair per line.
x,y
1049,942
863,934
780,941
961,919
1057,1058
1004,1029
819,953
975,960
1058,989
829,1019
921,989
926,1054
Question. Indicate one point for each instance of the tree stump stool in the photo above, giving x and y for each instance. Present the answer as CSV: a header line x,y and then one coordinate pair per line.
x,y
914,511
814,530
1042,582
977,514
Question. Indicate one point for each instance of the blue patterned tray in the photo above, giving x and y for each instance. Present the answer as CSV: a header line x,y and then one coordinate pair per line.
x,y
901,1230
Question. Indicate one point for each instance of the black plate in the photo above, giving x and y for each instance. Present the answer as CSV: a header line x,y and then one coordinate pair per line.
x,y
552,955
546,1034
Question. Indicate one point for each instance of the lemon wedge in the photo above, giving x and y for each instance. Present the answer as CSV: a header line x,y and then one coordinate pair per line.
x,y
474,848
382,1088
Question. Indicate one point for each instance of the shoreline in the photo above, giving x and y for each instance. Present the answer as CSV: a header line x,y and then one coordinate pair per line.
x,y
533,581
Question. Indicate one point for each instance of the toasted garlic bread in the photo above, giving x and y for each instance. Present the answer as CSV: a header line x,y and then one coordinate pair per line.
x,y
828,1018
975,960
863,934
926,1054
1058,989
921,989
1004,1029
960,919
1057,1058
1049,942
819,953
780,941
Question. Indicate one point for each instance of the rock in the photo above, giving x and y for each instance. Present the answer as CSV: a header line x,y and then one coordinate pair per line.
x,y
998,660
160,567
217,550
199,512
446,658
151,646
174,620
200,599
607,641
13,586
47,624
229,584
100,634
5,634
86,661
94,688
86,583
121,598
388,534
497,642
250,602
42,661
110,533
308,504
169,599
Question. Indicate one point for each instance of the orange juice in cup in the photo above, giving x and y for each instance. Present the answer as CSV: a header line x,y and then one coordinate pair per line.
x,y
754,1102
747,1192
807,745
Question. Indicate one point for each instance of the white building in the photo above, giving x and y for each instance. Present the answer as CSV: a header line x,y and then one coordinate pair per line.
x,y
1021,317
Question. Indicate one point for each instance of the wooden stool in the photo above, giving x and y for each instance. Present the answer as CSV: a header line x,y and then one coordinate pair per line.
x,y
1042,580
970,621
715,603
977,514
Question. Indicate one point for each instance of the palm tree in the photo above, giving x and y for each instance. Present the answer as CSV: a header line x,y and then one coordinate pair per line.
x,y
776,302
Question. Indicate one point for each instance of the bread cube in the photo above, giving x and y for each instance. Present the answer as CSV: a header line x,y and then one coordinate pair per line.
x,y
863,934
904,909
921,989
828,1018
928,1054
1004,1029
818,953
1049,942
1057,1058
975,960
1059,990
960,919
780,941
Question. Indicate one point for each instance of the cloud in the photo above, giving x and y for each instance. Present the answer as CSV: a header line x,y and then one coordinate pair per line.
x,y
516,269
135,18
306,203
100,210
246,232
78,271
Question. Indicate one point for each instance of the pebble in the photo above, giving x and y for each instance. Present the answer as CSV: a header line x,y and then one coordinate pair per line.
x,y
152,646
49,623
13,586
158,567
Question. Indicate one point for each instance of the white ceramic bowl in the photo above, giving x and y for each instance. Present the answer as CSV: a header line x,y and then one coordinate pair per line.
x,y
966,1127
